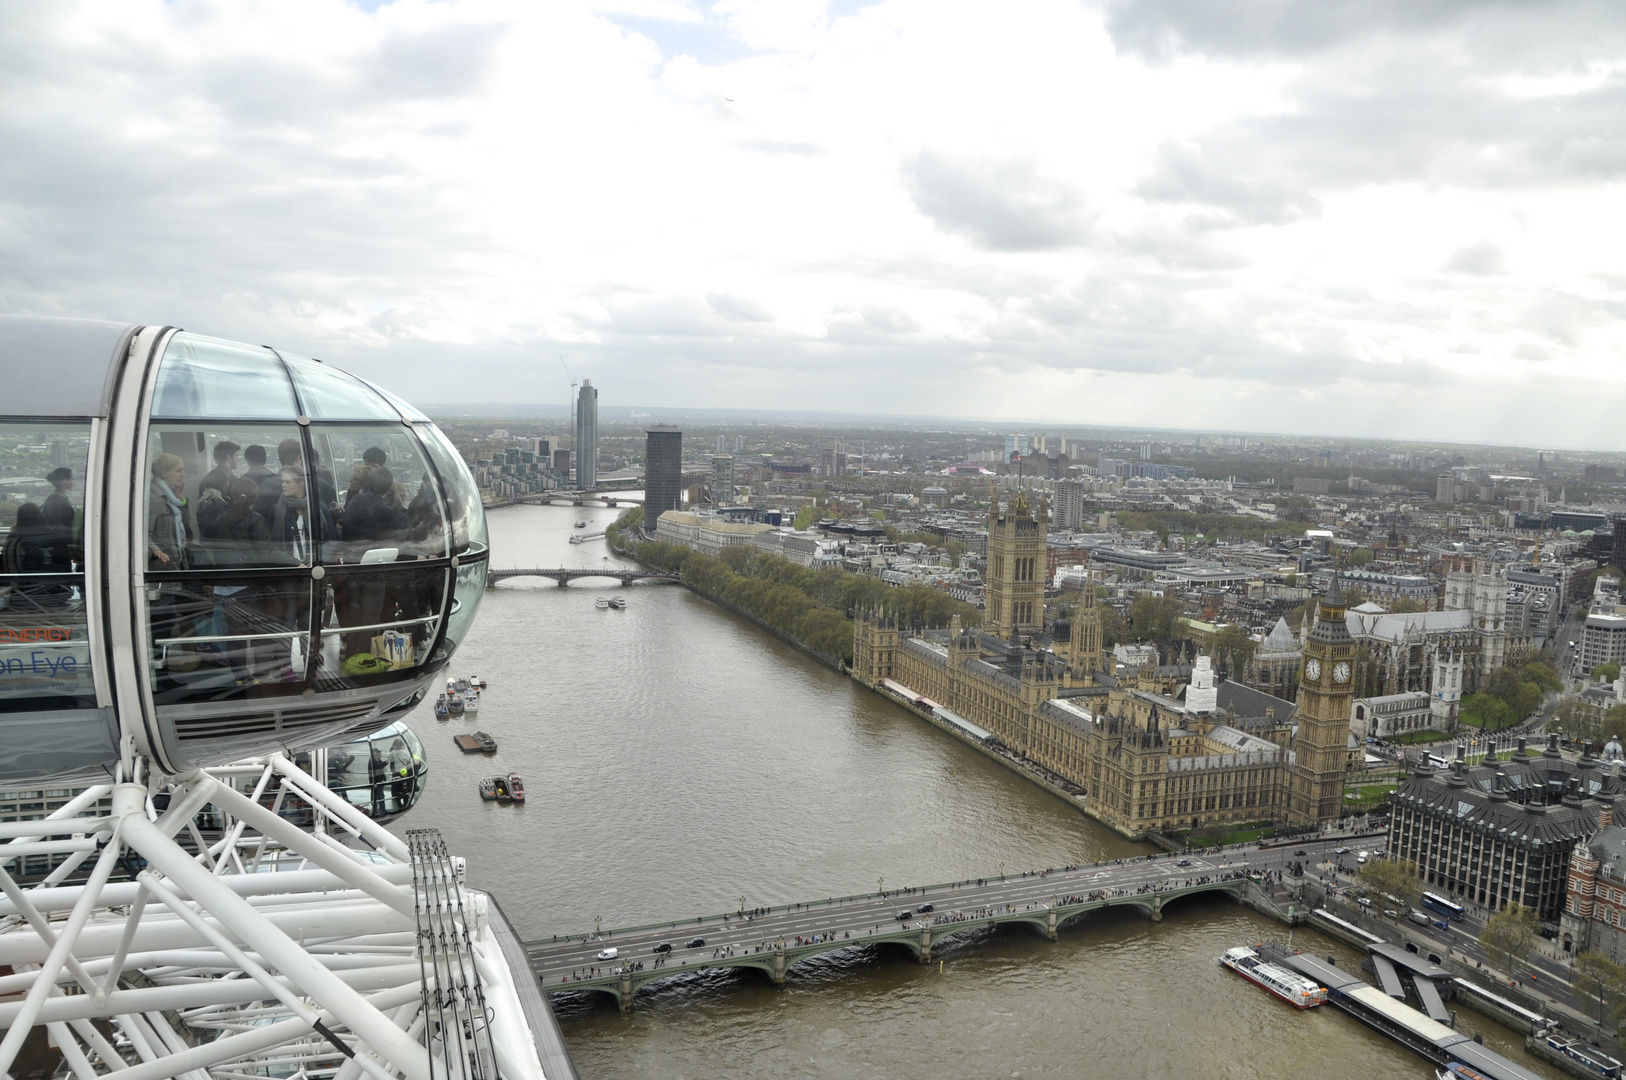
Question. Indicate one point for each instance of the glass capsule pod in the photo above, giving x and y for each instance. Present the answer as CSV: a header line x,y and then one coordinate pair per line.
x,y
215,550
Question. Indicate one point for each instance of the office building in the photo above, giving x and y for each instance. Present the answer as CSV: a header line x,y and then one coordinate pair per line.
x,y
663,473
587,436
722,479
1504,834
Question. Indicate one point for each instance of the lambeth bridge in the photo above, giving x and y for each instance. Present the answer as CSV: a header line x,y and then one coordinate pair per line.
x,y
564,575
772,940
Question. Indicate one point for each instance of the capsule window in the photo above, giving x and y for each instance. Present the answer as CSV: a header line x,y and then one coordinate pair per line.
x,y
225,496
224,637
206,377
44,647
378,623
326,393
465,513
387,508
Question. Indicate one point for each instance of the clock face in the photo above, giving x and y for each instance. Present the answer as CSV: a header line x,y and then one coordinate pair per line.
x,y
1312,669
1340,672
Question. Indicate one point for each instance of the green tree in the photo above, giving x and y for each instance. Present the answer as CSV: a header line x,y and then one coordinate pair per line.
x,y
1606,673
1509,935
1359,557
1602,981
1235,646
1486,712
1614,724
805,517
1157,618
1393,878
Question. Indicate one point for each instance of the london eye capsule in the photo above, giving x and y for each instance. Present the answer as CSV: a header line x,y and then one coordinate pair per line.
x,y
214,550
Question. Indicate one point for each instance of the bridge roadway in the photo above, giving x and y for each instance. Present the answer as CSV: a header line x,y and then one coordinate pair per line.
x,y
772,940
564,575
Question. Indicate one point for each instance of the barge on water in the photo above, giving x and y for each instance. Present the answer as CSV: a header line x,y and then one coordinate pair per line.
x,y
1289,985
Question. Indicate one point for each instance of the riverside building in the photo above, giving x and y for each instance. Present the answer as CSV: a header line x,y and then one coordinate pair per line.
x,y
1494,835
1157,751
663,473
587,436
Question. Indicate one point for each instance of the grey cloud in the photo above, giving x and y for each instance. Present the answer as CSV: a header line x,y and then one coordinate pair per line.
x,y
998,205
738,308
1184,175
1529,351
1159,29
1481,259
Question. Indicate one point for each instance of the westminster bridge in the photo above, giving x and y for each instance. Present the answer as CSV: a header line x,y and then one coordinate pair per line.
x,y
564,575
773,940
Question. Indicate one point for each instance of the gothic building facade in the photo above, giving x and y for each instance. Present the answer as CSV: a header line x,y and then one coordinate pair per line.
x,y
1148,755
1014,596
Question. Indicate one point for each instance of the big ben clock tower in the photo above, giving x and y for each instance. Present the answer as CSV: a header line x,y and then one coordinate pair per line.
x,y
1326,691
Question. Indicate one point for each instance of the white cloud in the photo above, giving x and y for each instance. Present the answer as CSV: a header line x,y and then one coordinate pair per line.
x,y
1232,213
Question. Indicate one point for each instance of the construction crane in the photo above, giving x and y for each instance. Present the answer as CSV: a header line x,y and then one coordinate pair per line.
x,y
573,385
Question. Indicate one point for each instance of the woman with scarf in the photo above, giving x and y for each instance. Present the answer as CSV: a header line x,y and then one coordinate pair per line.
x,y
170,532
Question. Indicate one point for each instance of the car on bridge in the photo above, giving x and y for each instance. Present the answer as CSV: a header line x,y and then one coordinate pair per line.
x,y
1183,862
923,908
608,954
695,943
904,915
665,946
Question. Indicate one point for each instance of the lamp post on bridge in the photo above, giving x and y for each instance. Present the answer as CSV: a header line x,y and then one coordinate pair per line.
x,y
742,905
880,886
598,927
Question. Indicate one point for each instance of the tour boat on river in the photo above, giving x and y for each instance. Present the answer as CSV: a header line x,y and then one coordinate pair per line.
x,y
1290,986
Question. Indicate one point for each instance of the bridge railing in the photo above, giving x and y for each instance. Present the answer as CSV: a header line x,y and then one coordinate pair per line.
x,y
907,890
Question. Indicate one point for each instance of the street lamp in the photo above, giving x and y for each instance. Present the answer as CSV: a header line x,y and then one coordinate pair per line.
x,y
880,885
598,926
742,903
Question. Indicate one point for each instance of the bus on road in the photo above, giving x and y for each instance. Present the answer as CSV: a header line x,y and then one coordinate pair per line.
x,y
1441,906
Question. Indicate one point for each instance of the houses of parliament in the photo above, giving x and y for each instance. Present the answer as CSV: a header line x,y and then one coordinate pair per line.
x,y
1163,748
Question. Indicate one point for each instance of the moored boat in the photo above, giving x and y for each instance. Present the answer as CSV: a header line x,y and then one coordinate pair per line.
x,y
1456,1070
477,743
471,702
516,787
475,680
574,539
488,789
504,793
454,704
442,710
1290,986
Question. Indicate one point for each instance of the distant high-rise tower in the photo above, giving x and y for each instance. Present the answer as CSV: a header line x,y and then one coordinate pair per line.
x,y
1445,488
1016,567
663,473
722,479
587,436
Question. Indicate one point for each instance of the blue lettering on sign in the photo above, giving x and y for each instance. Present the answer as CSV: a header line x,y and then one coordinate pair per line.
x,y
11,666
43,664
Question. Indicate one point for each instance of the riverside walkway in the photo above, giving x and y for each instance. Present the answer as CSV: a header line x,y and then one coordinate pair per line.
x,y
772,940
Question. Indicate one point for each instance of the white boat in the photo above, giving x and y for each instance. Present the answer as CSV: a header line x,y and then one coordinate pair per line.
x,y
471,702
602,602
1290,986
581,524
574,539
475,680
618,603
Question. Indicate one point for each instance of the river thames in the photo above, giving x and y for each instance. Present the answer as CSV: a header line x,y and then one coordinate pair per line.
x,y
678,759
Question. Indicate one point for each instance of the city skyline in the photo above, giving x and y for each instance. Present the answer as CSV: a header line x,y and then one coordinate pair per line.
x,y
1396,224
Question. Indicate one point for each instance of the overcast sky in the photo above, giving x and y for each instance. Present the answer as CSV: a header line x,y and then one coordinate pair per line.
x,y
1362,217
